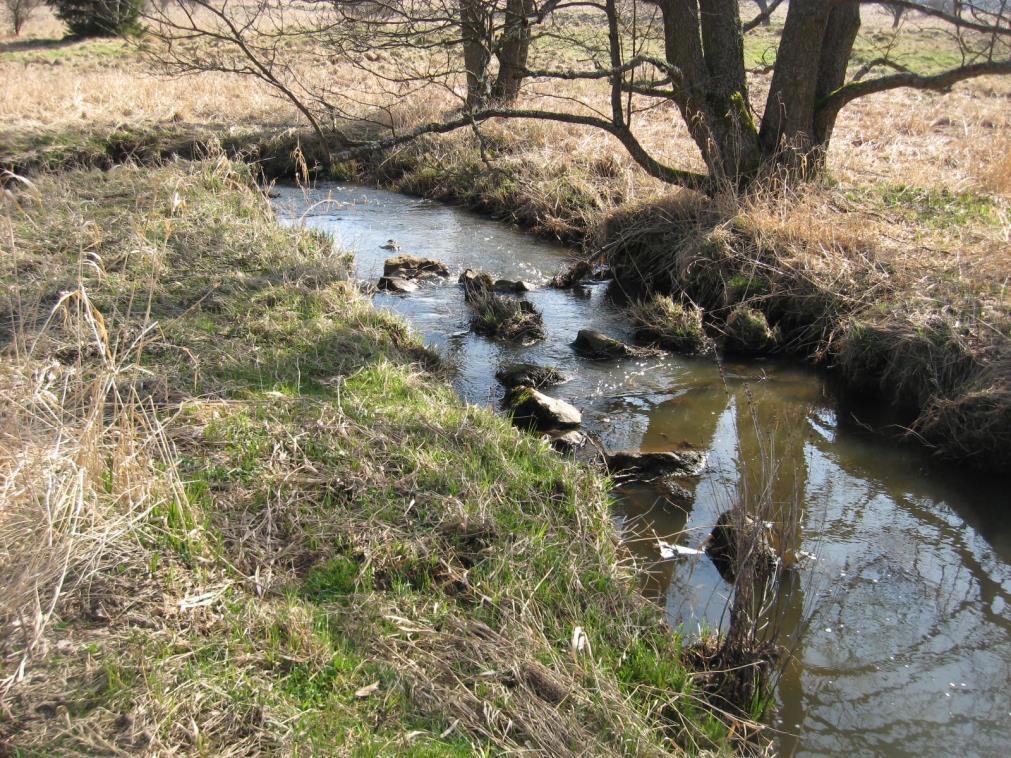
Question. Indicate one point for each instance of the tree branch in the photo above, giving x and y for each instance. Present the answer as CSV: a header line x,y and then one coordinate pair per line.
x,y
955,20
938,83
867,67
761,18
654,168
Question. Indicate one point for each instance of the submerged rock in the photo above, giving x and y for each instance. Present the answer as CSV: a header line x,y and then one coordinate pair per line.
x,y
413,267
593,344
516,286
529,375
396,284
579,272
640,465
677,495
572,276
724,544
535,410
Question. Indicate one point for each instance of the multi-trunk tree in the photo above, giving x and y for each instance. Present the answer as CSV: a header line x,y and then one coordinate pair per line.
x,y
636,53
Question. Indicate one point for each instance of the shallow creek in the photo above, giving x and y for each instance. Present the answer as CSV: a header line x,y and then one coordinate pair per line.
x,y
901,627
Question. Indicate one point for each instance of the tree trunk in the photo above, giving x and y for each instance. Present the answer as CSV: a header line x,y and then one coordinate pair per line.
x,y
763,7
840,34
703,40
729,107
512,51
795,133
474,29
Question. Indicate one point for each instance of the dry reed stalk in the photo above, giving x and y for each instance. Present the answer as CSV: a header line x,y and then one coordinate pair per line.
x,y
84,463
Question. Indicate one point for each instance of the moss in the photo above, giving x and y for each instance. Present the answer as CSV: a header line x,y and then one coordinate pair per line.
x,y
937,207
747,331
742,111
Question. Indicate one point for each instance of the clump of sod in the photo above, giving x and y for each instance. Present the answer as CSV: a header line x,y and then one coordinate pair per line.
x,y
669,324
748,332
245,516
507,318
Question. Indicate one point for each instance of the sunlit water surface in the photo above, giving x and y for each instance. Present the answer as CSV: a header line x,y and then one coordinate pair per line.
x,y
901,627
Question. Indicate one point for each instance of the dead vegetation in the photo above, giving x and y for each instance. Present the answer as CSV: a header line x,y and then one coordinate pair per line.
x,y
508,318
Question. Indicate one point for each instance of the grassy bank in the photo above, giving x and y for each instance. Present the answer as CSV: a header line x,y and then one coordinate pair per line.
x,y
242,513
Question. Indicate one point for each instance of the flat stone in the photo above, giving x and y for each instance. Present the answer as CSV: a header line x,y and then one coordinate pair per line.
x,y
510,285
529,375
650,465
412,267
593,344
535,410
396,284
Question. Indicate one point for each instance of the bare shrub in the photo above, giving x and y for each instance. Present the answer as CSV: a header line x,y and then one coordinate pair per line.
x,y
19,12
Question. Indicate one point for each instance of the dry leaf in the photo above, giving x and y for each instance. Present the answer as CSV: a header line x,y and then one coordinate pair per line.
x,y
367,690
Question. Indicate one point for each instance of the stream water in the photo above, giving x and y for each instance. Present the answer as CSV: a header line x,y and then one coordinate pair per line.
x,y
900,628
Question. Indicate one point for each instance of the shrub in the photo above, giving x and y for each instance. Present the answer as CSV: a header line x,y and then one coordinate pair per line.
x,y
99,18
19,11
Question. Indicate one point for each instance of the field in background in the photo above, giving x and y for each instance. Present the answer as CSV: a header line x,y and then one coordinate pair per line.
x,y
926,177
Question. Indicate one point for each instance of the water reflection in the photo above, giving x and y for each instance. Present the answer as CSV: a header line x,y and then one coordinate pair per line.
x,y
900,630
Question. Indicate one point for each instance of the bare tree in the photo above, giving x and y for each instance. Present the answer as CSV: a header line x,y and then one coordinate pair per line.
x,y
641,54
18,12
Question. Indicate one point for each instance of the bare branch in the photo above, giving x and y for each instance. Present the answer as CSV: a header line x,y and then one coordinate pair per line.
x,y
994,26
761,18
942,82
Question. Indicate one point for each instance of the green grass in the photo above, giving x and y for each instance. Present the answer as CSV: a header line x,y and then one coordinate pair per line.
x,y
923,50
344,519
65,51
936,207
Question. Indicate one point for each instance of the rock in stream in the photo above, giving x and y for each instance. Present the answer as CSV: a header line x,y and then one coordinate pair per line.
x,y
641,465
414,267
597,346
535,410
529,375
396,284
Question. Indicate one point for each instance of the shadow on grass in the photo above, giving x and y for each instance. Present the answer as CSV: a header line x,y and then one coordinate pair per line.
x,y
37,44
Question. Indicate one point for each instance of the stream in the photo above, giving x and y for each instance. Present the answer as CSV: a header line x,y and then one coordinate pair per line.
x,y
900,627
